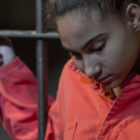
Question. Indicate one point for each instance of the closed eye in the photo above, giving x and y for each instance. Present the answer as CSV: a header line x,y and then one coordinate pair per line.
x,y
99,46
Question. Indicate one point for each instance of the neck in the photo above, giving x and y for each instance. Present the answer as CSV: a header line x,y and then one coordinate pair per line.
x,y
117,91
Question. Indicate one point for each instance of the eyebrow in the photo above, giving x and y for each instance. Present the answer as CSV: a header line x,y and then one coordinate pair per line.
x,y
88,42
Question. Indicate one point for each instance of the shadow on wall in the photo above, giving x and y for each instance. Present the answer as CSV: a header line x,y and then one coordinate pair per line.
x,y
3,134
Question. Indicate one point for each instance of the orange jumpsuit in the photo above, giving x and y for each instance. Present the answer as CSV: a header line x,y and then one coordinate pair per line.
x,y
80,112
18,101
83,112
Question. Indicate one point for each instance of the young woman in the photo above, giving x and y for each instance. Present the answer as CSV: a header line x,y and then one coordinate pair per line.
x,y
99,90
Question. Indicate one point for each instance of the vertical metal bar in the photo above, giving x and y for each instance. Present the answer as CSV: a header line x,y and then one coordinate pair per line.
x,y
42,88
41,73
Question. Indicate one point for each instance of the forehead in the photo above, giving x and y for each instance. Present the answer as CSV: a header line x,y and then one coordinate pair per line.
x,y
76,28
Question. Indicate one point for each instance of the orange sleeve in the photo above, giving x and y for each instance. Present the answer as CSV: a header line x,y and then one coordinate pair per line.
x,y
18,101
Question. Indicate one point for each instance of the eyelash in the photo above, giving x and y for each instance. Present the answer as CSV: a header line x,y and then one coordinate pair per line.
x,y
94,48
97,47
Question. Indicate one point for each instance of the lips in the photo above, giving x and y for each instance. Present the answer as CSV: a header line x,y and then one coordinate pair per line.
x,y
105,80
102,79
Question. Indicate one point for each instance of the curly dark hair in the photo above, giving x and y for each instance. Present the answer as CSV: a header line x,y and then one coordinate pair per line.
x,y
61,7
58,8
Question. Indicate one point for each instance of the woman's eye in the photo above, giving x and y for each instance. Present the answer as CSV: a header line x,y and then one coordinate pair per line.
x,y
75,54
98,46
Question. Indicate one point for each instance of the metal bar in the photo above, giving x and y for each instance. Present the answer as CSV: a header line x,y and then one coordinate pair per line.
x,y
41,73
42,88
28,34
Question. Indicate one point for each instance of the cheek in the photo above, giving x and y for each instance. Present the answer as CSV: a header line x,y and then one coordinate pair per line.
x,y
111,59
121,51
118,59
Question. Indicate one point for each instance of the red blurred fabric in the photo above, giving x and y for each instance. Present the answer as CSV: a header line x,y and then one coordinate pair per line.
x,y
18,101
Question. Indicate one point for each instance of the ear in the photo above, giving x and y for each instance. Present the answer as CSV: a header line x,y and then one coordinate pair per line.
x,y
133,16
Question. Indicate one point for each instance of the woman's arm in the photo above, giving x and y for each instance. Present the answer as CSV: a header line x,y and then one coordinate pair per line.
x,y
18,95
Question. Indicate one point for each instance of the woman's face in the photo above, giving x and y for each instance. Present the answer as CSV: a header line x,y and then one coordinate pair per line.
x,y
104,50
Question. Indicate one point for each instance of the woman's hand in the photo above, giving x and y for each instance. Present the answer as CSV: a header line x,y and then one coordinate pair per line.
x,y
7,53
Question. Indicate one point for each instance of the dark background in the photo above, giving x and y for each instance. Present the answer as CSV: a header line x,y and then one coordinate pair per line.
x,y
20,15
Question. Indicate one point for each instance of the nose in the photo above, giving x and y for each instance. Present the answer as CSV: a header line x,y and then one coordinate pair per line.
x,y
92,68
93,71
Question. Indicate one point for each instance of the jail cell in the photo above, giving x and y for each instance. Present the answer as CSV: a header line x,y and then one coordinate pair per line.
x,y
22,22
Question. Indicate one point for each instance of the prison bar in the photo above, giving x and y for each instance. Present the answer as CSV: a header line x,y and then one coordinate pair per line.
x,y
41,73
41,62
28,34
